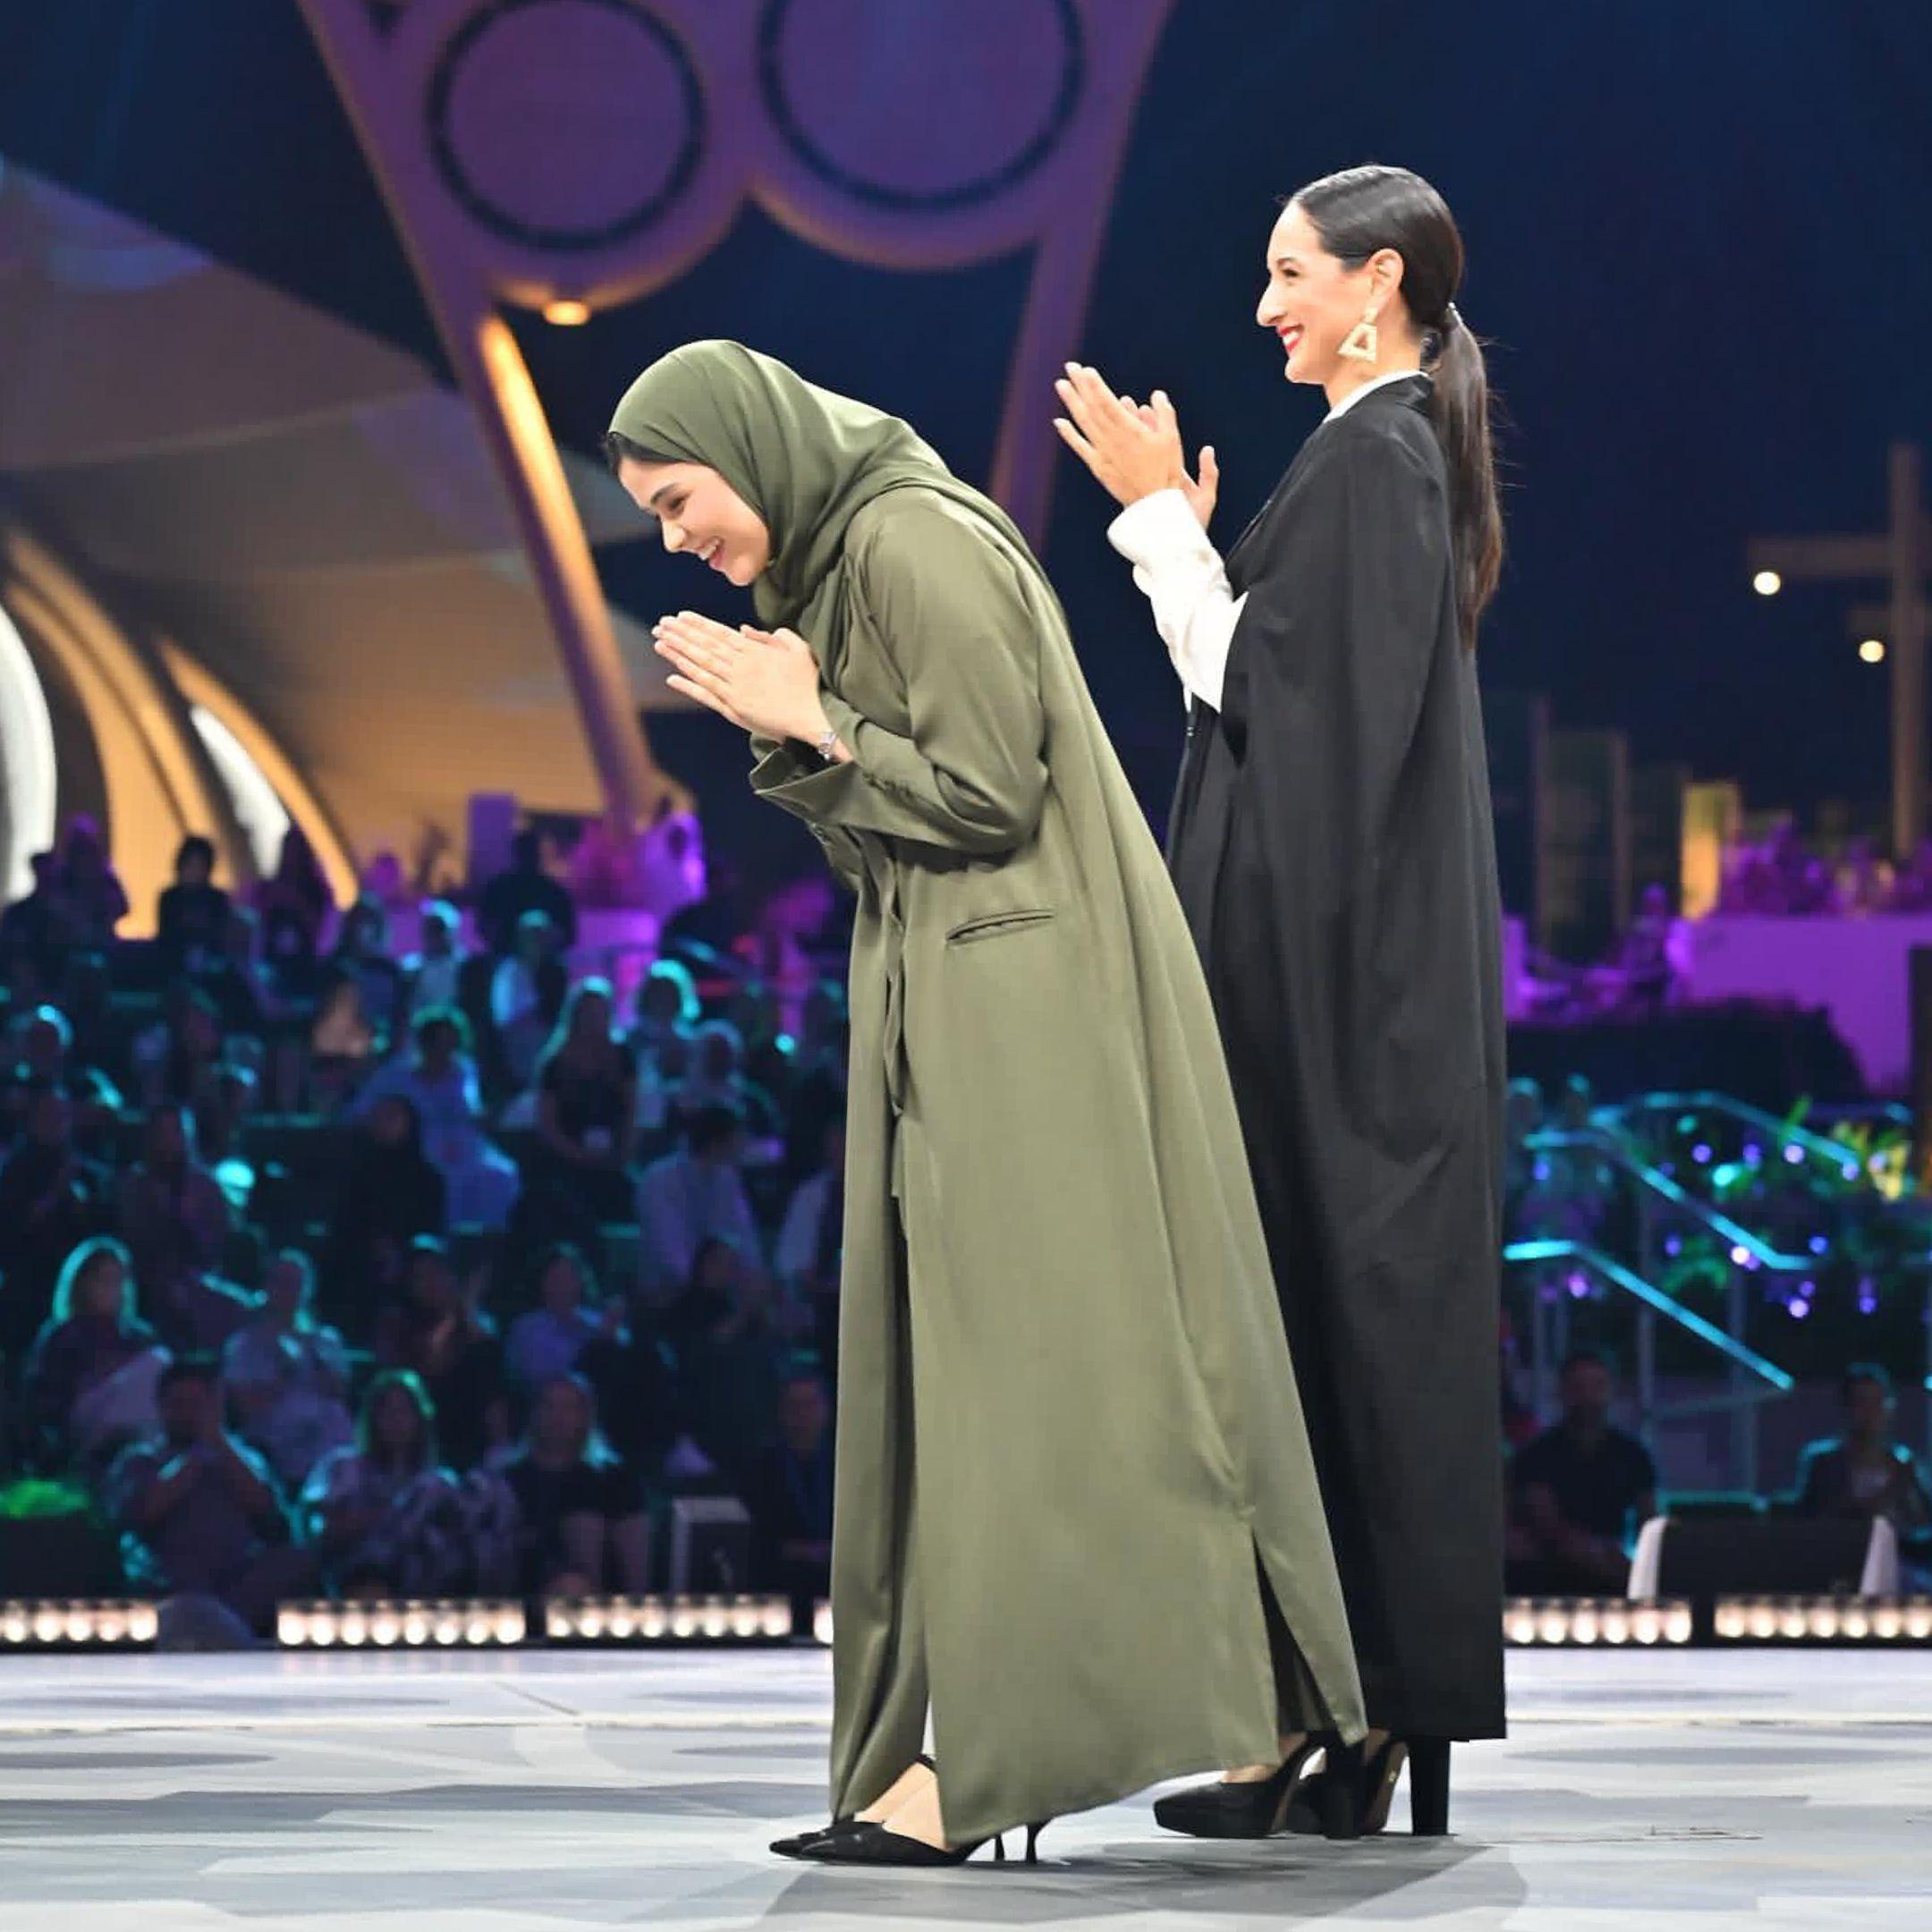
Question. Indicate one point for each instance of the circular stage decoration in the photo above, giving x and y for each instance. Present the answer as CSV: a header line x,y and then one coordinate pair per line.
x,y
931,107
565,125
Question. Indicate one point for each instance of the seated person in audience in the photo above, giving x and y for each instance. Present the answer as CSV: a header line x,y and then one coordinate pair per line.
x,y
440,1333
434,976
547,1340
527,994
175,1059
586,1110
811,1248
1579,1491
43,1049
219,1128
51,1199
660,1038
584,1524
525,887
384,1514
287,1374
730,1350
91,898
690,1197
244,989
789,1492
439,1079
392,1192
716,1079
1865,1470
191,929
667,1007
173,1215
199,1512
89,1385
816,1101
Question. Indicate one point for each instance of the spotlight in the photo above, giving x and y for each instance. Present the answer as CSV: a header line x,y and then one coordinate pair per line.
x,y
1872,650
1768,583
566,312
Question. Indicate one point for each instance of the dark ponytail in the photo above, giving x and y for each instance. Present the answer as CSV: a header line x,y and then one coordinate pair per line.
x,y
1364,209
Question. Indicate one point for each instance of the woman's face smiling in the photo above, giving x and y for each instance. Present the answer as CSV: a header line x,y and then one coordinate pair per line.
x,y
700,513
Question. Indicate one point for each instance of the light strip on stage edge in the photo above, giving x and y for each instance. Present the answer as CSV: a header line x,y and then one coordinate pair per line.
x,y
1547,1622
1833,1620
53,1625
412,1625
27,762
667,1619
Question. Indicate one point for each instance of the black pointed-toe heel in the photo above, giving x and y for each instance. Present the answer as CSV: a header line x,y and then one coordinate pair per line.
x,y
794,1846
1428,1786
1219,1809
873,1844
1032,1840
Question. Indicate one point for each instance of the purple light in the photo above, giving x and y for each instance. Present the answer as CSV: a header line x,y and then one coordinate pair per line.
x,y
1794,1154
1797,1310
1819,1244
1867,1301
1700,1153
1674,1245
1579,1285
1542,1170
1753,1153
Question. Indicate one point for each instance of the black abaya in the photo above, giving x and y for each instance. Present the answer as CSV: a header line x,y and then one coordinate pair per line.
x,y
1331,844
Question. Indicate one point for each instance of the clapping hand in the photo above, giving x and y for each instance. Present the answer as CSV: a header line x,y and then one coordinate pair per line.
x,y
1132,448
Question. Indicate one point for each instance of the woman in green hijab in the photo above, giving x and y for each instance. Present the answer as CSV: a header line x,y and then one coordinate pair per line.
x,y
1076,1518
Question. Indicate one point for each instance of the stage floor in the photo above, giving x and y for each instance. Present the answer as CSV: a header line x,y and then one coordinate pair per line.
x,y
535,1789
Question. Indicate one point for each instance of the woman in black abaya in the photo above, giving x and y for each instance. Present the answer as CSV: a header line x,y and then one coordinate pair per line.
x,y
1331,844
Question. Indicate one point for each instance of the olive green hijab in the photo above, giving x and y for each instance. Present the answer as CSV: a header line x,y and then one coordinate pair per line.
x,y
806,459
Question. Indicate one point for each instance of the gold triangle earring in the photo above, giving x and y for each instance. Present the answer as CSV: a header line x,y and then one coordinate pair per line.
x,y
1362,342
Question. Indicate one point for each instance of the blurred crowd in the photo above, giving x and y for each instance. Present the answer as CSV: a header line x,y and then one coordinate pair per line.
x,y
327,1267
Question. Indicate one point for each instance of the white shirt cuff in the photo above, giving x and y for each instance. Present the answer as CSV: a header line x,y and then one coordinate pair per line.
x,y
1156,530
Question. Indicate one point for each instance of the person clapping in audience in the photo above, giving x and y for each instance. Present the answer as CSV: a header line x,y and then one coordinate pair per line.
x,y
288,1374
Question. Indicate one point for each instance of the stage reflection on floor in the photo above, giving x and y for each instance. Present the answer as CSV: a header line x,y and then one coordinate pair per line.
x,y
526,1790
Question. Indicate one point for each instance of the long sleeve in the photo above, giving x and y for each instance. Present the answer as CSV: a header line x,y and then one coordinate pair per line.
x,y
969,775
1182,575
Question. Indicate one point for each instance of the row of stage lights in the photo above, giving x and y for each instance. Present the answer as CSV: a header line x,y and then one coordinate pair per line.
x,y
1529,1623
1547,1622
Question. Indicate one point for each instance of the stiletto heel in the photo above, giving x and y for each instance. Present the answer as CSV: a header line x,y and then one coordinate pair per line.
x,y
1378,1784
1032,1840
1428,1786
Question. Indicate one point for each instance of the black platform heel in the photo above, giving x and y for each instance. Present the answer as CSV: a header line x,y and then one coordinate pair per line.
x,y
1219,1809
795,1845
1352,1796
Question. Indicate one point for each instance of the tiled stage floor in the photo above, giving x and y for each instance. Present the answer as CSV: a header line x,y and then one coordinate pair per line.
x,y
514,1790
